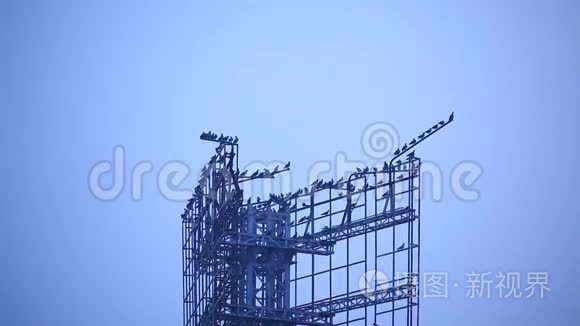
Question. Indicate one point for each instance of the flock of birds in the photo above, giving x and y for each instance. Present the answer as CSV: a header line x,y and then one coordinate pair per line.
x,y
284,200
422,136
265,173
221,139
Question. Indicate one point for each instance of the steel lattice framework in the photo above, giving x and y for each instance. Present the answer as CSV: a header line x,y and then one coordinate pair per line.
x,y
342,252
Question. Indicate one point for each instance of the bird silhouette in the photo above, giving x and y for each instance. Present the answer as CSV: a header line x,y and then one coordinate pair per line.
x,y
404,148
400,177
385,166
304,204
255,174
401,247
385,194
397,152
399,162
451,116
441,123
358,170
287,166
411,155
258,198
412,142
421,136
326,213
243,173
302,219
236,140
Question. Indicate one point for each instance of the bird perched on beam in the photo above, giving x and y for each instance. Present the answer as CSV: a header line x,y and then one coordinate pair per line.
x,y
320,183
190,203
267,173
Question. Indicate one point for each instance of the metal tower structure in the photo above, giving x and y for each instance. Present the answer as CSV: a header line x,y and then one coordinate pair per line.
x,y
342,252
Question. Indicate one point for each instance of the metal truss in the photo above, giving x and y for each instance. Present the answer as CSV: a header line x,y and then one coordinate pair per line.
x,y
288,259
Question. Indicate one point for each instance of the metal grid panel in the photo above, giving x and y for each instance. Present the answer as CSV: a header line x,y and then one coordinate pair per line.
x,y
340,252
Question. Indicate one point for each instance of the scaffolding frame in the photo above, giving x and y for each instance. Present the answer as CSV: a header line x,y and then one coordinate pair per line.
x,y
343,252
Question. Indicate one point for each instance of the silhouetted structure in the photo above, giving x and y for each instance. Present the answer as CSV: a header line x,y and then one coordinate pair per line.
x,y
300,258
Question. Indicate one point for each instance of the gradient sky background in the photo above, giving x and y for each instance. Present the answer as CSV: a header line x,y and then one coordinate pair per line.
x,y
295,80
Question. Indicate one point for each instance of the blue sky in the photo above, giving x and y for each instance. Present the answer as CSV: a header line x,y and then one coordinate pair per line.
x,y
294,81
